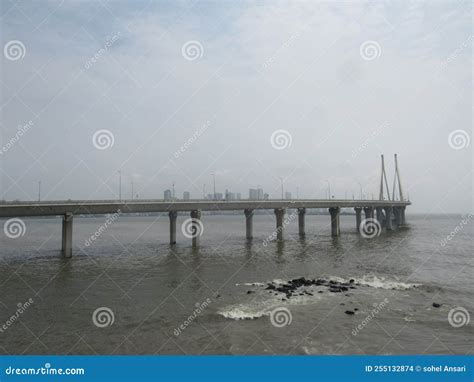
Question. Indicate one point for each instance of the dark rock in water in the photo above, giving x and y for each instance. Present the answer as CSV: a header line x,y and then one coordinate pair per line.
x,y
352,287
283,299
436,305
250,291
218,295
335,290
356,309
350,312
351,281
271,286
309,293
342,303
320,291
343,288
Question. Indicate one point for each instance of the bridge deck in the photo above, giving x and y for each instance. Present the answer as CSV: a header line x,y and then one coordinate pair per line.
x,y
56,208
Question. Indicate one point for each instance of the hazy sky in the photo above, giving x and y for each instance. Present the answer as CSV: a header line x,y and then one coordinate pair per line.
x,y
186,89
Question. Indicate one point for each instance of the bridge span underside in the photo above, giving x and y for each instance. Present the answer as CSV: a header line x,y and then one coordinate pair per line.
x,y
388,213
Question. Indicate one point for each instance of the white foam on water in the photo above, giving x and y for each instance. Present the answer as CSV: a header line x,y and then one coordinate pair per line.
x,y
377,282
251,284
257,309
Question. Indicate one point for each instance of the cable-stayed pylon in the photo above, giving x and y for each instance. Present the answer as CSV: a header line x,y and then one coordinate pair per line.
x,y
397,180
383,178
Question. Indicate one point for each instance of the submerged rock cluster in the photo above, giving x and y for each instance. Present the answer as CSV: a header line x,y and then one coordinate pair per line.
x,y
294,287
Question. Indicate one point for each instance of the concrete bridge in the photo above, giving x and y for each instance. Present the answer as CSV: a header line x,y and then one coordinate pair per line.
x,y
388,213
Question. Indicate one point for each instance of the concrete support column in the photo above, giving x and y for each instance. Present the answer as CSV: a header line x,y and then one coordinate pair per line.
x,y
396,214
335,228
369,212
388,218
301,213
196,227
66,247
403,220
379,214
280,214
248,223
358,211
173,217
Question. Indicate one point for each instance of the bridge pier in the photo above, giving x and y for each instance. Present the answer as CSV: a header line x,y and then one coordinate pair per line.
x,y
301,214
369,212
196,228
248,223
379,214
280,214
397,216
403,220
173,217
335,228
388,218
66,247
358,211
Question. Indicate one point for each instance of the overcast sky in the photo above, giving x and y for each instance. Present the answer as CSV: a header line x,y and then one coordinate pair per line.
x,y
312,92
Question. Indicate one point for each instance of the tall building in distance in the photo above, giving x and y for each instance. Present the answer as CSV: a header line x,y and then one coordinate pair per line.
x,y
259,194
167,195
287,195
186,195
238,196
253,195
